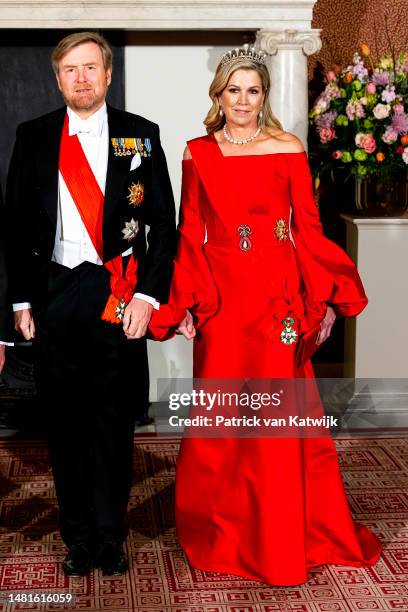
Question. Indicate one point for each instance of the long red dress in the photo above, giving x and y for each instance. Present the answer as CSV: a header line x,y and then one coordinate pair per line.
x,y
266,509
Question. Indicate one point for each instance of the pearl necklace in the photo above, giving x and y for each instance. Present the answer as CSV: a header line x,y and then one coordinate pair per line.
x,y
243,140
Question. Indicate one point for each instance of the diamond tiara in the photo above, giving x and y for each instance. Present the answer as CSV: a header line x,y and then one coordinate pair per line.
x,y
246,52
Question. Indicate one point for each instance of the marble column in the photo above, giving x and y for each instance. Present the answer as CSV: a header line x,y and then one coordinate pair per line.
x,y
287,52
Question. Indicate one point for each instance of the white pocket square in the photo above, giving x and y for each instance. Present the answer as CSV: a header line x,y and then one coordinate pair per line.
x,y
136,161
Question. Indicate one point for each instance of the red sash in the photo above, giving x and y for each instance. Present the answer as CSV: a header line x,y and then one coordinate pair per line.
x,y
89,200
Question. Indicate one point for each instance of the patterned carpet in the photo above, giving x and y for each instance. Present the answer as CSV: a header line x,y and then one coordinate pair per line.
x,y
160,580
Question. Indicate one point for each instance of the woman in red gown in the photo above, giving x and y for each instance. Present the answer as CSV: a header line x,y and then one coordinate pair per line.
x,y
267,509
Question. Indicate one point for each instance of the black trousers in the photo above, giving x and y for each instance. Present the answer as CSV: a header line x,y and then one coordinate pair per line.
x,y
88,375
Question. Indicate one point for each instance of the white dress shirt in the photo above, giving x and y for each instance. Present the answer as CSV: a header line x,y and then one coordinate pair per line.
x,y
73,244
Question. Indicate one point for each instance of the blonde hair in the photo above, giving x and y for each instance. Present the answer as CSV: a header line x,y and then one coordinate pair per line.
x,y
214,121
79,38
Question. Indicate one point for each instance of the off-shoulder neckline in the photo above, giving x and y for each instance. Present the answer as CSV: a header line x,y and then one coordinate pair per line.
x,y
253,154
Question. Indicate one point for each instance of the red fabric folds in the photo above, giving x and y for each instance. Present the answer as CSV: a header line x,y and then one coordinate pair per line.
x,y
192,286
327,271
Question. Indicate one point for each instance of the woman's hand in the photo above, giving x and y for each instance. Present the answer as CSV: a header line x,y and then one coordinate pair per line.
x,y
186,327
326,325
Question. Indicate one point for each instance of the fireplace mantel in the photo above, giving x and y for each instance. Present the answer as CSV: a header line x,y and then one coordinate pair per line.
x,y
157,14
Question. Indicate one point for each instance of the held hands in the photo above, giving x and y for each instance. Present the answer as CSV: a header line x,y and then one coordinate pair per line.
x,y
186,327
136,318
24,323
326,325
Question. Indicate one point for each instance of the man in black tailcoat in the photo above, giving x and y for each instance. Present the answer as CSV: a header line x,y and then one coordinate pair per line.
x,y
83,183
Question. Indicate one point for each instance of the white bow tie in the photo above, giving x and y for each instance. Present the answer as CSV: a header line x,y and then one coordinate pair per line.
x,y
83,126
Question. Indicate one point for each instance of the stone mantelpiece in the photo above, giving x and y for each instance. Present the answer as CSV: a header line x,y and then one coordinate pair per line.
x,y
157,14
282,30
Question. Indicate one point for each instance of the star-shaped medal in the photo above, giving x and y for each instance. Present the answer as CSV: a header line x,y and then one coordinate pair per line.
x,y
130,230
136,194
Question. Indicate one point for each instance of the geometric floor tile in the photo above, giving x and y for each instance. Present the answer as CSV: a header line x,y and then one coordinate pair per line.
x,y
375,473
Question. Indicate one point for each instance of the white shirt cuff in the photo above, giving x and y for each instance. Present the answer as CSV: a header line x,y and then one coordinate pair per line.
x,y
21,306
148,298
7,343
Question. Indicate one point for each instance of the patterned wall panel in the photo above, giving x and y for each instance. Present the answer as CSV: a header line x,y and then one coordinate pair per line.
x,y
346,23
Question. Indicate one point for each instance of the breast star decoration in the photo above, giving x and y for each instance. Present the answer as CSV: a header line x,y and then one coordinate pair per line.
x,y
281,230
130,230
136,194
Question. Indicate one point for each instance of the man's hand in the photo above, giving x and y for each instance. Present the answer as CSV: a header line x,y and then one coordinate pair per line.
x,y
186,327
2,357
136,318
326,325
24,323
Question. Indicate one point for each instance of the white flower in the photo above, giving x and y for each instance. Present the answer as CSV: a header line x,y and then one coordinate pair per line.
x,y
405,155
358,138
381,111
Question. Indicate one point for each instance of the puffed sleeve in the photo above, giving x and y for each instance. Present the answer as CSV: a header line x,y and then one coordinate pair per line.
x,y
192,285
328,272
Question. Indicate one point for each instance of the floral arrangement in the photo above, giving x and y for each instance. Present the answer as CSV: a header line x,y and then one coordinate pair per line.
x,y
360,121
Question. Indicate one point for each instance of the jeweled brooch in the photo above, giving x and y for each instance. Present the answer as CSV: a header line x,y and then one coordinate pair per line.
x,y
245,243
136,194
281,229
288,334
130,230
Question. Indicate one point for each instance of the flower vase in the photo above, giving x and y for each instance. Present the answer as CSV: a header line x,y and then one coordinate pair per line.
x,y
382,195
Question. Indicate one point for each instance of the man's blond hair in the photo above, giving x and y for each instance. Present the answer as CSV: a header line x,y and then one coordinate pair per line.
x,y
79,38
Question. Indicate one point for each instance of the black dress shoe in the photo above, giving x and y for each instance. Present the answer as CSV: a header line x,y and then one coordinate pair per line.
x,y
143,420
78,561
112,559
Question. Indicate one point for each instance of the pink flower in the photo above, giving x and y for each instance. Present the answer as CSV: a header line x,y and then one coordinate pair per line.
x,y
366,142
371,88
336,154
326,134
331,75
322,103
400,149
390,135
388,95
399,123
398,108
354,109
